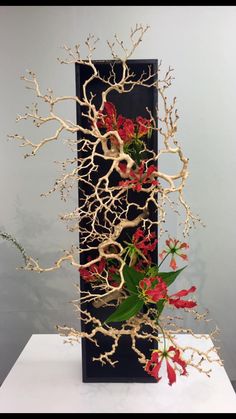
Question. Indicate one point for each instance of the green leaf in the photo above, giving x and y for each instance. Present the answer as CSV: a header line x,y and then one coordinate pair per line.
x,y
169,277
129,308
160,305
132,278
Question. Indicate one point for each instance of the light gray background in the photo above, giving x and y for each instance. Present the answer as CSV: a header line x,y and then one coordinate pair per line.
x,y
199,42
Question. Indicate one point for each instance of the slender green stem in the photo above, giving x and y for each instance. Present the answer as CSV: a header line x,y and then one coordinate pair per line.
x,y
163,333
163,259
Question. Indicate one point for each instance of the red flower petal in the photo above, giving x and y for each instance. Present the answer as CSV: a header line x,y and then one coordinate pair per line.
x,y
173,263
120,121
110,109
153,366
183,293
123,167
176,358
181,303
138,187
138,234
162,254
129,128
155,356
145,283
184,246
184,257
150,170
171,373
141,168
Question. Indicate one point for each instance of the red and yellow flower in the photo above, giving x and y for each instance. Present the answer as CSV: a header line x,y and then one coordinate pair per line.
x,y
154,289
172,357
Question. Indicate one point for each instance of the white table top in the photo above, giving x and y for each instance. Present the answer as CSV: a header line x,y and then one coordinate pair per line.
x,y
46,378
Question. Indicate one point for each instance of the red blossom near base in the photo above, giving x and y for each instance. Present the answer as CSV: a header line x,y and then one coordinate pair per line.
x,y
138,177
172,356
153,289
174,247
176,301
92,273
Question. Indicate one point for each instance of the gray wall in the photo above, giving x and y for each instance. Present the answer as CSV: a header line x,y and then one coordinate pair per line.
x,y
199,42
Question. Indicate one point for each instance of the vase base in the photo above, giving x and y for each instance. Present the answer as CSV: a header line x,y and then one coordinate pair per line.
x,y
126,370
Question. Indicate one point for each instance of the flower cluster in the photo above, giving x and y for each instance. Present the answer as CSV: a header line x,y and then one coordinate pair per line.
x,y
138,177
140,249
145,243
152,289
127,128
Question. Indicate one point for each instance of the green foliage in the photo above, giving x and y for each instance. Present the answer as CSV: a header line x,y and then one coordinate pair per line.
x,y
159,306
170,277
134,303
134,149
127,309
132,278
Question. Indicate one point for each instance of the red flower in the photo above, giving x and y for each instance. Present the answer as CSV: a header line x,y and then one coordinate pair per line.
x,y
143,126
138,178
175,300
127,129
153,289
110,109
174,247
108,119
92,273
144,242
171,355
123,167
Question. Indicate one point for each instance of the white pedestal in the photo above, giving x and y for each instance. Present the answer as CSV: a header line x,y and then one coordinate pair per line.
x,y
46,378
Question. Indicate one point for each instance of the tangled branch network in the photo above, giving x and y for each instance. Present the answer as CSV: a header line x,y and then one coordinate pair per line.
x,y
119,268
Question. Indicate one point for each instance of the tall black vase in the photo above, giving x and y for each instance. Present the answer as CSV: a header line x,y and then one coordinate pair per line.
x,y
130,105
